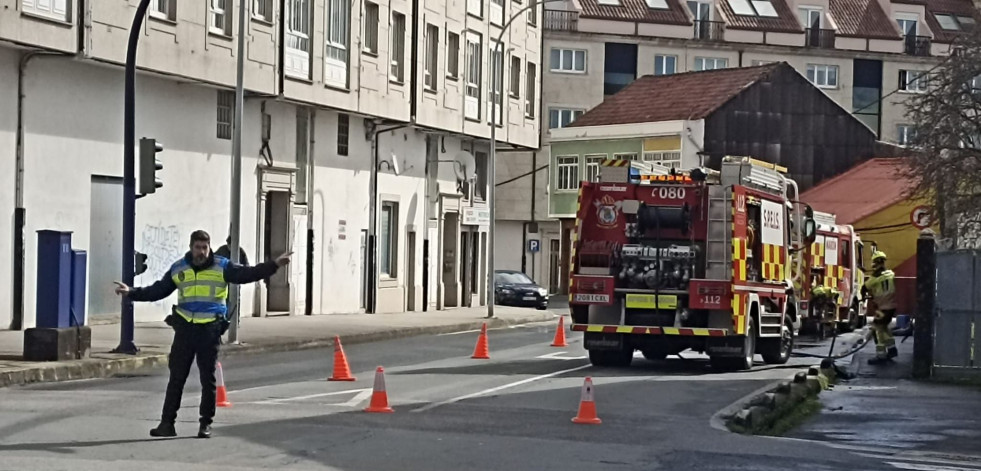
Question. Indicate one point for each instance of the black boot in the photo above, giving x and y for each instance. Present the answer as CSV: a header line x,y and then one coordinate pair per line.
x,y
893,353
204,431
164,430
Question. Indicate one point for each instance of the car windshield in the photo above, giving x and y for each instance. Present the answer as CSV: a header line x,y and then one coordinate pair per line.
x,y
514,278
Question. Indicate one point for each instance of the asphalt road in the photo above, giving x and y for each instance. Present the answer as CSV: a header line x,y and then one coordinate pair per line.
x,y
511,412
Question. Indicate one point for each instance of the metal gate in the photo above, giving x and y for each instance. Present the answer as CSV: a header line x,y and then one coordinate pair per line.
x,y
957,325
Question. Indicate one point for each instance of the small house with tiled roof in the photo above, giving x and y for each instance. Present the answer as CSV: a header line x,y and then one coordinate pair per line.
x,y
684,120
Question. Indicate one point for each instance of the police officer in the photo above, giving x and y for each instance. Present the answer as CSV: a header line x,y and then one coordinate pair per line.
x,y
881,285
201,279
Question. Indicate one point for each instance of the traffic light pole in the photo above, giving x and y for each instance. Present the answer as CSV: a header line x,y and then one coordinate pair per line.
x,y
235,216
126,325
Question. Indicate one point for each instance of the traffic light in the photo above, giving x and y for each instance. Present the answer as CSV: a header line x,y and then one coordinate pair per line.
x,y
149,164
140,263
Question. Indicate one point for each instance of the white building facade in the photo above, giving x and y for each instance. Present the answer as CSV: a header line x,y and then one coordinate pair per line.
x,y
335,90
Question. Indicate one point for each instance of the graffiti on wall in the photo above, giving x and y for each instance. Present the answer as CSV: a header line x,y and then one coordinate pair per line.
x,y
162,246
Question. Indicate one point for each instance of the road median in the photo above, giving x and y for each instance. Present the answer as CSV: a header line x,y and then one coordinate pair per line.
x,y
778,407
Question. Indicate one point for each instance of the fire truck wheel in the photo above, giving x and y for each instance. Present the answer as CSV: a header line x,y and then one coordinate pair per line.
x,y
744,362
616,358
777,351
654,354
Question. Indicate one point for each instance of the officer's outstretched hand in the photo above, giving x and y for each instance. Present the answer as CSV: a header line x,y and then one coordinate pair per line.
x,y
121,288
283,259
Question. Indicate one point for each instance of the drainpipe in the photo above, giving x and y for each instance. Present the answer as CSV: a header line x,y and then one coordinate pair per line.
x,y
20,212
311,167
371,128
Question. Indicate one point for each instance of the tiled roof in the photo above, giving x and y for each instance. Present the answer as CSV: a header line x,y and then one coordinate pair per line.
x,y
689,95
785,22
863,19
953,7
636,10
848,196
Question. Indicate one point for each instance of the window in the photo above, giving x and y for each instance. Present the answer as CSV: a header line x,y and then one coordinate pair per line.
x,y
398,47
757,63
907,26
914,81
670,159
533,15
472,100
262,10
562,117
568,172
753,8
370,28
905,134
497,12
432,57
56,9
625,156
568,60
221,17
947,22
657,4
164,9
475,8
337,36
302,153
665,65
452,55
824,76
495,92
388,239
710,63
226,105
480,174
811,17
530,82
593,167
343,133
515,77
297,54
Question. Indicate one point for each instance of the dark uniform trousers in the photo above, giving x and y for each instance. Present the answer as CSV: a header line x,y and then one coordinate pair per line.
x,y
200,341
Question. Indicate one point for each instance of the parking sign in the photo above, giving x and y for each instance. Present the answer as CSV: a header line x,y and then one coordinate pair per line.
x,y
534,245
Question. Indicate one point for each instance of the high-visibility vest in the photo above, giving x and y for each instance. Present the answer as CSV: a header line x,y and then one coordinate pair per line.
x,y
882,287
201,294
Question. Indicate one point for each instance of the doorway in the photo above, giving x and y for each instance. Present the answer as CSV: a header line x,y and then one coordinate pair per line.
x,y
451,285
106,246
553,266
277,242
364,269
465,268
410,270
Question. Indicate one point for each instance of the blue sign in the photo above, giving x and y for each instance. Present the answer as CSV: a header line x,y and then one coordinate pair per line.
x,y
534,245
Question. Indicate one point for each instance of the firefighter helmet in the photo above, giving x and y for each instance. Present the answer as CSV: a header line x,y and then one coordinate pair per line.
x,y
878,255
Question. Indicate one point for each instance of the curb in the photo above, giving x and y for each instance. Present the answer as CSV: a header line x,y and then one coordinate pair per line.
x,y
94,368
760,412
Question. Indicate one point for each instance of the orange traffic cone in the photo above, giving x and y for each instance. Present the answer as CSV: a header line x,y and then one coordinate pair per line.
x,y
481,350
221,399
587,408
342,372
560,334
379,398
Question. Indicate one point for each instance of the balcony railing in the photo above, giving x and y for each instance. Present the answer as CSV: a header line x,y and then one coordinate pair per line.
x,y
561,20
917,45
709,30
821,38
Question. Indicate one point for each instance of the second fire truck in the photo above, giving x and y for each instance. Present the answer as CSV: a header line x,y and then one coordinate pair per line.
x,y
702,259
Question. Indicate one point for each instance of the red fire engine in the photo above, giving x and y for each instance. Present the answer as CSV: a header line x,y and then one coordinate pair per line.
x,y
832,281
700,259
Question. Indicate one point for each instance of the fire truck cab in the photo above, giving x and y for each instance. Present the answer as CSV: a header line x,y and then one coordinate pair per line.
x,y
667,260
831,286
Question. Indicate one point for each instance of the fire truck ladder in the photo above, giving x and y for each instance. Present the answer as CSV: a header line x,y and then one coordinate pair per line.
x,y
718,254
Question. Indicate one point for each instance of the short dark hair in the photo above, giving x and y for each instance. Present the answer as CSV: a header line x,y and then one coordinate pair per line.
x,y
200,236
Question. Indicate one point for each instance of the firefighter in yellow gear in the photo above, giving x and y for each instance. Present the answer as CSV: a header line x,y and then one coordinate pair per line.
x,y
881,286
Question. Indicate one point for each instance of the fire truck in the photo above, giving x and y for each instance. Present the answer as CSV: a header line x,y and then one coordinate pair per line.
x,y
832,281
667,260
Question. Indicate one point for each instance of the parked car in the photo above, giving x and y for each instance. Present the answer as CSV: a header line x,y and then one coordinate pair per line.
x,y
513,288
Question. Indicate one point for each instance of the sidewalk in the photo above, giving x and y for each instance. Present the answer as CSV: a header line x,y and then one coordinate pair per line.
x,y
256,334
883,409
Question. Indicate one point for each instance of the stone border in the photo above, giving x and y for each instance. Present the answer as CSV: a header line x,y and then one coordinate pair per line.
x,y
763,411
107,367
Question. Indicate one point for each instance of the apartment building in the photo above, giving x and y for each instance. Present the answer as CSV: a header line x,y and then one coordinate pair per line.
x,y
867,55
337,92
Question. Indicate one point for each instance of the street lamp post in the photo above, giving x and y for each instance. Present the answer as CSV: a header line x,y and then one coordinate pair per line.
x,y
235,217
499,75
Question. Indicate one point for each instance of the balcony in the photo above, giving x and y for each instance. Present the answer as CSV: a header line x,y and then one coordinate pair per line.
x,y
819,38
561,20
917,45
709,30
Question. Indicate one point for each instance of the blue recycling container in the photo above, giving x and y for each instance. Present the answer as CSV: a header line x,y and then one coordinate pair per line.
x,y
54,277
79,260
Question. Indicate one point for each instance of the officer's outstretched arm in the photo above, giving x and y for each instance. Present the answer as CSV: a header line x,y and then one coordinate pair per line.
x,y
241,274
155,292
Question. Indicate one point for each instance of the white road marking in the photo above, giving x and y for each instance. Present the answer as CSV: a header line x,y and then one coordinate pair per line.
x,y
559,356
359,396
928,467
498,388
